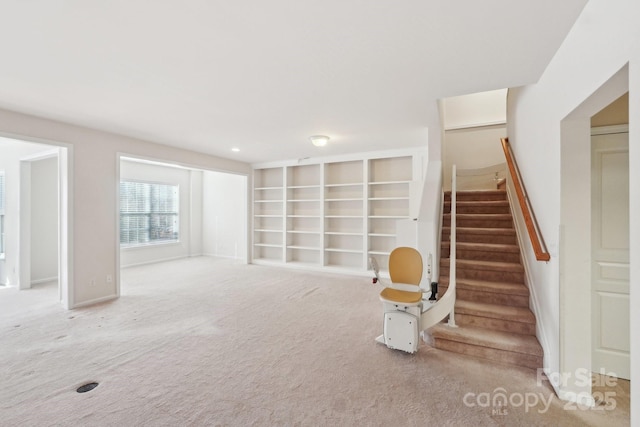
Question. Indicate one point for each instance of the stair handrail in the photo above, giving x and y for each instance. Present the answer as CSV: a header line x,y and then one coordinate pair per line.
x,y
539,248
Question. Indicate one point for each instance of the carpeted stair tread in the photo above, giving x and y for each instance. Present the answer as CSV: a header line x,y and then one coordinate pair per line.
x,y
495,311
446,230
477,195
487,216
487,286
500,203
487,247
516,343
483,265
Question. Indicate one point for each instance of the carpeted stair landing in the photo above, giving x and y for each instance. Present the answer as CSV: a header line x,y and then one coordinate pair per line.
x,y
492,305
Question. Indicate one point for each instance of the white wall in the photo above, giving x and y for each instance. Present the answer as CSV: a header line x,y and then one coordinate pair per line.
x,y
472,148
188,227
224,221
94,184
44,220
11,152
549,131
474,110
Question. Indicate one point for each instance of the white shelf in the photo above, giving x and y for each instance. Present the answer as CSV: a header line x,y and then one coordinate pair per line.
x,y
303,200
389,216
342,233
348,251
382,235
388,198
267,245
306,248
303,186
385,253
343,216
267,188
388,182
268,201
303,216
353,184
267,216
345,200
263,230
303,232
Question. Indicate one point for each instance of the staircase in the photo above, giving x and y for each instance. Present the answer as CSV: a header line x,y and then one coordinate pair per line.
x,y
492,303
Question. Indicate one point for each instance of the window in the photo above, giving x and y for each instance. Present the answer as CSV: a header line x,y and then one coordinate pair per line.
x,y
148,213
1,213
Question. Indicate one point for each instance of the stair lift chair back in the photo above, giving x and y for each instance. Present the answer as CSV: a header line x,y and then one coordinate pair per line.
x,y
402,301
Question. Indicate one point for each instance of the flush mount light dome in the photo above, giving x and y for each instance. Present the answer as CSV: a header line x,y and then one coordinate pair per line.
x,y
319,140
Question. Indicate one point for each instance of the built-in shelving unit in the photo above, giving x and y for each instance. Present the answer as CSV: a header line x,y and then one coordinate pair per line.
x,y
304,214
332,214
268,219
388,196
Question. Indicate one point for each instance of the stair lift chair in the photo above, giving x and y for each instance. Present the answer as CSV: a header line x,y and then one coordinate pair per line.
x,y
402,300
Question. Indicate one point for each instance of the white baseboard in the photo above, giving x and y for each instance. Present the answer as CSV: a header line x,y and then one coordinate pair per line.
x,y
45,280
94,301
155,261
534,305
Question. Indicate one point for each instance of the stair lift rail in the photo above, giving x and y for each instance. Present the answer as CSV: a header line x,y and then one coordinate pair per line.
x,y
405,319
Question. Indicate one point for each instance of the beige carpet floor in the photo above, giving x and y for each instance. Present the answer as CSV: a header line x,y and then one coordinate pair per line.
x,y
211,342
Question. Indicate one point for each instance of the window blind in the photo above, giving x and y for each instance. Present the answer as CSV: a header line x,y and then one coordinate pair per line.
x,y
149,213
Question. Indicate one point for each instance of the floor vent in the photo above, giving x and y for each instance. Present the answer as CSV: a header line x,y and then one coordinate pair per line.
x,y
87,387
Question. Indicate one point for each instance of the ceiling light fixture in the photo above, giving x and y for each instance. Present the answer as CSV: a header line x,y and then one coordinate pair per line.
x,y
235,149
319,140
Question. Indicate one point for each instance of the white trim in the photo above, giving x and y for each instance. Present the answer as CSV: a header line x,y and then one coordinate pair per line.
x,y
45,280
606,130
95,301
399,152
476,125
534,305
156,261
46,154
169,163
65,225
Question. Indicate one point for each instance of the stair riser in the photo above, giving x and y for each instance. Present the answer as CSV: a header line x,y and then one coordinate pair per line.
x,y
487,275
488,297
495,324
488,256
479,222
478,209
478,196
493,354
503,239
479,255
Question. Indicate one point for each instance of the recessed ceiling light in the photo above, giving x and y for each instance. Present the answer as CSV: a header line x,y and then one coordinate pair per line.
x,y
319,140
235,149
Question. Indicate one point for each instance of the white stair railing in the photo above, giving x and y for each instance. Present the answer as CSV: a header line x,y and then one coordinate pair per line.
x,y
445,305
452,246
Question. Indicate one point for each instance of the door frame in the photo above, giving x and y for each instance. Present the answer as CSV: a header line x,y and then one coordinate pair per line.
x,y
64,153
575,240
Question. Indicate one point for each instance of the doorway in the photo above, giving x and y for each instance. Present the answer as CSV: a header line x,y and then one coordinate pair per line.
x,y
36,215
575,251
204,213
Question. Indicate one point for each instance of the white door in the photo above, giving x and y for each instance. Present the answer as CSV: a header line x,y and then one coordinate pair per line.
x,y
610,255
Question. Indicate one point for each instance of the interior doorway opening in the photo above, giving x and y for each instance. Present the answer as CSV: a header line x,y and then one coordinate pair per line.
x,y
576,237
36,216
171,211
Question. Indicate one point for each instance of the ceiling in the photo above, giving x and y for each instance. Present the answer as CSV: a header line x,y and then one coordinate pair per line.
x,y
263,76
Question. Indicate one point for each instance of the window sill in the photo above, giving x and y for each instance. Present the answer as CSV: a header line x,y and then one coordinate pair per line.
x,y
150,245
